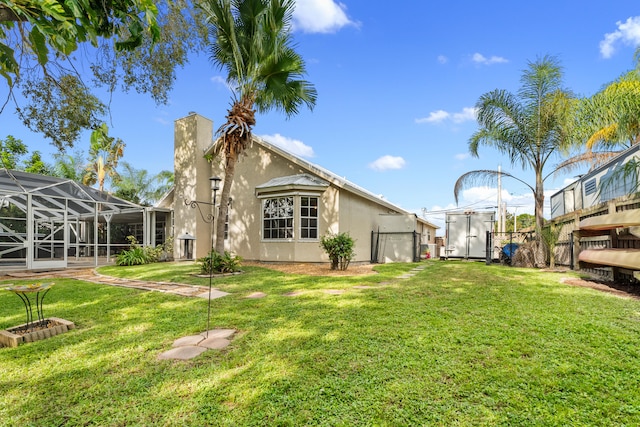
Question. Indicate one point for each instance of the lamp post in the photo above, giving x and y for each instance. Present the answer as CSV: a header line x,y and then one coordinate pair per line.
x,y
215,186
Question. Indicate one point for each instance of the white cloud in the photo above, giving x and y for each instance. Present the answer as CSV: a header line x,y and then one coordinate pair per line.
x,y
320,16
462,156
467,114
293,146
478,58
387,162
219,80
628,33
434,117
442,59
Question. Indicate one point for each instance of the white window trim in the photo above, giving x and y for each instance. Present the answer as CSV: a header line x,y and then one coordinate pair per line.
x,y
296,215
299,215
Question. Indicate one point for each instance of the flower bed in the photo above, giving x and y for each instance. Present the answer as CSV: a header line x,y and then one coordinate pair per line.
x,y
50,327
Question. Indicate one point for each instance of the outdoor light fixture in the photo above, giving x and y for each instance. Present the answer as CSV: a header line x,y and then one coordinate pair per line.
x,y
215,186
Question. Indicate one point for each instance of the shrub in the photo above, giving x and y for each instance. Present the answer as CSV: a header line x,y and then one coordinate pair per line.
x,y
339,247
133,256
216,263
138,255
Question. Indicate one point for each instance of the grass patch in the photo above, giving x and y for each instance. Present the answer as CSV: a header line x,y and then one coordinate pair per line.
x,y
457,344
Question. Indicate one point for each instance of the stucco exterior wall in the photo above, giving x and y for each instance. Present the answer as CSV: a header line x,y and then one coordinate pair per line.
x,y
257,166
341,208
192,135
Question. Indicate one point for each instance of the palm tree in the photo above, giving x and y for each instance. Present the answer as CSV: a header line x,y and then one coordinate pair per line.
x,y
611,117
252,42
529,127
69,166
104,153
138,186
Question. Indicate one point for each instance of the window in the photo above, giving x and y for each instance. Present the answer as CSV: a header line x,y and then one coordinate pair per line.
x,y
590,187
308,217
277,214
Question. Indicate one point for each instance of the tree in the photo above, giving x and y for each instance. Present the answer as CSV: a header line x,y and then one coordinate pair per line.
x,y
252,41
69,166
35,164
43,26
11,150
104,153
129,45
138,186
529,127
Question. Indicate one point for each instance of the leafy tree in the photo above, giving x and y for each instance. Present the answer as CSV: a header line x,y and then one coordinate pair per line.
x,y
130,45
525,221
60,108
104,153
35,164
252,42
46,26
11,150
529,127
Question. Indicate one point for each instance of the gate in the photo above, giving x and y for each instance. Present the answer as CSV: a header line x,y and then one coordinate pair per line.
x,y
399,246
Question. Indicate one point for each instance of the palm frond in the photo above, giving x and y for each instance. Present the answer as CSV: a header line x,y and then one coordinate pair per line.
x,y
593,159
627,173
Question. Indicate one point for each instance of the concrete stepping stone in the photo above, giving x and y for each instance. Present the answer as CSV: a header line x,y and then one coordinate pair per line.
x,y
215,343
187,341
363,287
292,294
218,333
334,291
182,353
257,295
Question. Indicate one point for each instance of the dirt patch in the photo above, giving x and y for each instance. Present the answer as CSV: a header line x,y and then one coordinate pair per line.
x,y
619,289
313,269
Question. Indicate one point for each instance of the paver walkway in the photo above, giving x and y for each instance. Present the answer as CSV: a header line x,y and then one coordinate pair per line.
x,y
90,275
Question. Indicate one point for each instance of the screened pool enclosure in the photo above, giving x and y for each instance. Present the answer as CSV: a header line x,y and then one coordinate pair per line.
x,y
48,222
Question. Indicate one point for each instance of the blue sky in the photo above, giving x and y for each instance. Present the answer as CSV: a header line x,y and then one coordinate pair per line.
x,y
397,83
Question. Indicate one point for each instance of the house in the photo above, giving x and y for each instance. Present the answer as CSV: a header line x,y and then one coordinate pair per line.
x,y
281,205
594,187
598,218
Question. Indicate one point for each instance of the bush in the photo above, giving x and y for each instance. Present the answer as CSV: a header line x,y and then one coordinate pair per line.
x,y
339,247
216,263
138,255
133,256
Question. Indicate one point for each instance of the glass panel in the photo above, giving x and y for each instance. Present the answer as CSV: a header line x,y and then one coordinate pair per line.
x,y
277,218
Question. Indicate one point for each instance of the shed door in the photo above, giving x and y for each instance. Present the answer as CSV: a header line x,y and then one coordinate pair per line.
x,y
476,236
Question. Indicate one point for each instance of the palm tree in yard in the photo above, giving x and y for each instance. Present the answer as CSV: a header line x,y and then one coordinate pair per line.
x,y
252,42
104,153
530,127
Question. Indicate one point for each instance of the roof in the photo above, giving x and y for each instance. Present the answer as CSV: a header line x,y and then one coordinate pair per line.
x,y
49,192
300,180
330,177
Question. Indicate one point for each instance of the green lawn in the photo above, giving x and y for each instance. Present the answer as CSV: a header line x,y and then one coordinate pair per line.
x,y
459,344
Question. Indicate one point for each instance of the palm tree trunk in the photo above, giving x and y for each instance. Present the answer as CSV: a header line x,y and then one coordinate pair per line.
x,y
539,202
229,172
539,256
